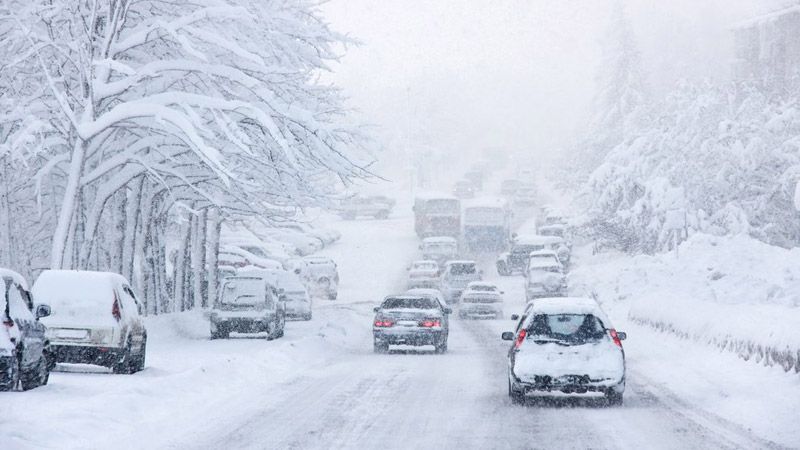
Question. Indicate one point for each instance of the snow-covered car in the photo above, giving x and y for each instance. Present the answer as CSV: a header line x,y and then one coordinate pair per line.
x,y
376,206
525,197
543,255
439,248
545,279
482,300
423,274
516,259
322,277
291,290
247,304
25,353
508,188
456,275
95,319
303,243
410,320
238,257
428,292
566,345
463,189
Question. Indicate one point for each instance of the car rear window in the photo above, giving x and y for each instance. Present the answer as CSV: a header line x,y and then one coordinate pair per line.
x,y
481,299
244,292
463,269
409,303
569,328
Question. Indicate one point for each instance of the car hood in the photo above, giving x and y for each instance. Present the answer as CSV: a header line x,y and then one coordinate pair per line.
x,y
600,360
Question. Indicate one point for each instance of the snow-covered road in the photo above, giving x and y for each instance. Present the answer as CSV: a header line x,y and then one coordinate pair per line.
x,y
322,387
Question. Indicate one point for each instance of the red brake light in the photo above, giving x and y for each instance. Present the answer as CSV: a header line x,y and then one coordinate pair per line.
x,y
520,338
614,337
115,309
8,322
430,323
383,323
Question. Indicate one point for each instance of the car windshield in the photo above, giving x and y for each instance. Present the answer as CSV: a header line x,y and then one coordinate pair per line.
x,y
481,299
483,288
442,206
425,266
526,249
459,269
409,303
439,248
243,292
566,328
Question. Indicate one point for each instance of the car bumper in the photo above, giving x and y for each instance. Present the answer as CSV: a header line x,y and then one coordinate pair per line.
x,y
480,312
568,384
408,337
242,325
85,354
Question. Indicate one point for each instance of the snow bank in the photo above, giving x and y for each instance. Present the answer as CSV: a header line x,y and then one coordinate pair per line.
x,y
734,292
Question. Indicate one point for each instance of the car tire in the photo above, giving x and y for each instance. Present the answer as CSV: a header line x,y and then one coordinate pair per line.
x,y
383,215
11,383
380,348
124,365
517,398
441,347
307,316
332,296
502,269
614,398
138,361
38,376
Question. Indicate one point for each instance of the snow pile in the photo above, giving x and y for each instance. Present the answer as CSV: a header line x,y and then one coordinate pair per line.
x,y
735,293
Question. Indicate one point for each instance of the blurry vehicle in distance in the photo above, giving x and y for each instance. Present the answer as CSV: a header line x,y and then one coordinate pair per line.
x,y
423,274
566,345
463,189
543,255
439,248
322,277
437,215
475,178
525,197
95,319
247,304
481,300
456,275
516,259
25,354
545,279
486,224
291,290
508,188
410,320
376,206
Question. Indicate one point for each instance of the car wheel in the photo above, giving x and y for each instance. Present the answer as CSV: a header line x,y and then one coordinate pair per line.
x,y
332,296
502,269
124,364
307,316
380,347
517,398
38,375
8,384
441,347
282,328
382,215
139,360
614,398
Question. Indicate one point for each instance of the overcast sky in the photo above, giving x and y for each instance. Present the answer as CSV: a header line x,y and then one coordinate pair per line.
x,y
461,75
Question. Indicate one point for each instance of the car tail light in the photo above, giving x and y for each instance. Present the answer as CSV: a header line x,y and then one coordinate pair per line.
x,y
383,323
8,323
520,338
115,309
430,323
613,333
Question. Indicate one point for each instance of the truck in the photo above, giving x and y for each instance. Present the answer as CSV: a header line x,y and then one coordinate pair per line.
x,y
437,215
486,225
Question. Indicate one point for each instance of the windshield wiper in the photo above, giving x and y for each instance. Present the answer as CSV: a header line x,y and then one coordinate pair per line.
x,y
551,341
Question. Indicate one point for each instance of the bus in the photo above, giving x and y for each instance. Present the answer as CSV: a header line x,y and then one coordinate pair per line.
x,y
437,215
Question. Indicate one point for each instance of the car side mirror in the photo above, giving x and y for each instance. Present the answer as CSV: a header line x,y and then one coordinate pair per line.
x,y
507,336
376,309
42,311
515,317
621,335
448,310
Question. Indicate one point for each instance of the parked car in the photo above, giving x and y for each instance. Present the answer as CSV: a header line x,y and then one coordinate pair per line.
x,y
545,279
456,275
95,319
516,259
291,291
410,320
544,255
464,189
248,304
377,206
25,354
423,274
481,300
322,276
439,248
566,345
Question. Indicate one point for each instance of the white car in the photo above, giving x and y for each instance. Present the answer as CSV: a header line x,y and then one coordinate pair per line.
x,y
95,319
439,248
544,279
423,274
322,276
456,275
566,345
481,300
291,290
543,255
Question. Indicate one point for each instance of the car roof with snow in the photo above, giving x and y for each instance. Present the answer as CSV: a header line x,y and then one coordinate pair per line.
x,y
542,263
485,202
19,279
567,305
440,240
544,252
537,239
459,261
76,287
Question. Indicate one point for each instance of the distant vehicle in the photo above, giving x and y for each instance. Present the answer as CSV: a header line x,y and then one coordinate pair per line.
x,y
566,345
439,248
486,224
376,206
544,255
435,294
516,260
25,354
545,279
410,320
96,319
247,304
552,230
554,218
564,249
437,215
463,189
456,275
525,197
508,188
423,274
481,300
291,290
323,277
475,177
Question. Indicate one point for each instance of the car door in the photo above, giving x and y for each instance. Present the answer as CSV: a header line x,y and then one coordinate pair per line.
x,y
32,342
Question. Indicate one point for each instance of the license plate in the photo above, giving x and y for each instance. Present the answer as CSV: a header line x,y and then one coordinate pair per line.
x,y
407,323
72,334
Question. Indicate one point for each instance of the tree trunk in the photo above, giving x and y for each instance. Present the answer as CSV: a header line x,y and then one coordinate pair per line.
x,y
67,215
199,259
214,228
